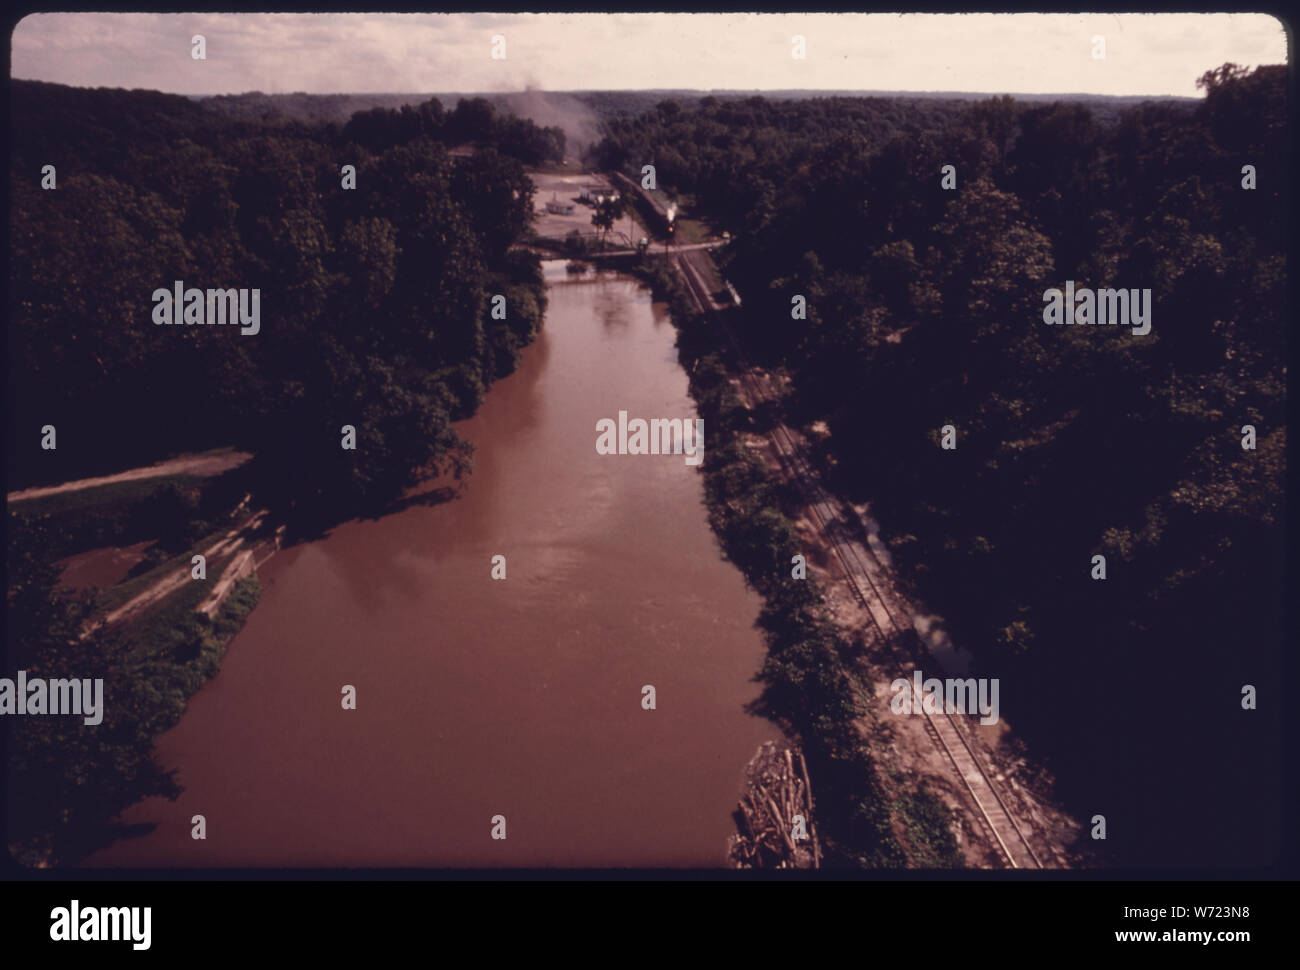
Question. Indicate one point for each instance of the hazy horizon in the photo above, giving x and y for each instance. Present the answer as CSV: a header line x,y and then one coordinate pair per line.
x,y
766,92
700,91
1146,55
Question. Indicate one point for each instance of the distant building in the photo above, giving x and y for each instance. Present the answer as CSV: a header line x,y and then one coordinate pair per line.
x,y
596,194
559,208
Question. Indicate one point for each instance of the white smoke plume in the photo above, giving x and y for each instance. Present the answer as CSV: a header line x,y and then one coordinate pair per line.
x,y
550,110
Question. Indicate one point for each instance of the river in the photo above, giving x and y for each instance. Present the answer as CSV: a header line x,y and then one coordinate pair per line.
x,y
477,697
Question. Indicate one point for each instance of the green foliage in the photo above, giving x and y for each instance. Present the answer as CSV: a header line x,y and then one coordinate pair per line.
x,y
608,212
69,780
375,309
805,687
375,300
924,309
939,299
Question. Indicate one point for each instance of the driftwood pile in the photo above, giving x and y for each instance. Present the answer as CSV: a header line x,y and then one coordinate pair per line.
x,y
776,791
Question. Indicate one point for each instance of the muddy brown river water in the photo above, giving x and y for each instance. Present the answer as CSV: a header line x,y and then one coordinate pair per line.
x,y
478,697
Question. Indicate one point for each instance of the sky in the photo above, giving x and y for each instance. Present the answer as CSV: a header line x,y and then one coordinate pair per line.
x,y
1145,54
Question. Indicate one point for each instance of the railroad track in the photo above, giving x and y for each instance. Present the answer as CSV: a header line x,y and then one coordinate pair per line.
x,y
865,575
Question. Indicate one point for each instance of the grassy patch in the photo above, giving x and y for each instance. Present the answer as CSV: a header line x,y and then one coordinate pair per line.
x,y
171,626
176,651
115,596
105,499
91,518
691,230
173,509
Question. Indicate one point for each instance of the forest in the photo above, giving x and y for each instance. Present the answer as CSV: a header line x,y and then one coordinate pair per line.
x,y
924,295
375,289
374,299
1164,453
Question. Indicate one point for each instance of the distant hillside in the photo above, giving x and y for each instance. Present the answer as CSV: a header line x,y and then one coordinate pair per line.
x,y
579,112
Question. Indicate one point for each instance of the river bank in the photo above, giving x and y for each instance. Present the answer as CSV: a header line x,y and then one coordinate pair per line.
x,y
890,798
476,697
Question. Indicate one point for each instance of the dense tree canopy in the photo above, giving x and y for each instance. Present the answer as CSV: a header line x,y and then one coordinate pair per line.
x,y
925,309
374,299
375,289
